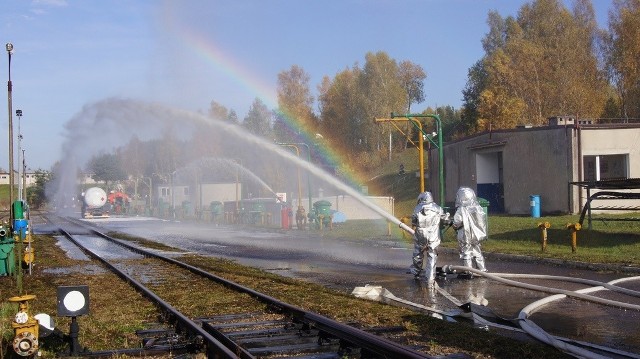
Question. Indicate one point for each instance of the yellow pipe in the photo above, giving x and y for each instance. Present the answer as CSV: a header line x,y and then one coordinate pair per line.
x,y
574,228
543,232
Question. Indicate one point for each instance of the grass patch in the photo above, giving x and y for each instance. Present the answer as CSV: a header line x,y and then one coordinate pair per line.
x,y
610,242
116,313
143,242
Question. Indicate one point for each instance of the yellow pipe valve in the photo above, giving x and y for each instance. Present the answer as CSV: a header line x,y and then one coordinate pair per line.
x,y
543,233
574,228
25,342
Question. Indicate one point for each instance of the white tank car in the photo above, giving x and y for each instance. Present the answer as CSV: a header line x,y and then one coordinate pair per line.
x,y
93,203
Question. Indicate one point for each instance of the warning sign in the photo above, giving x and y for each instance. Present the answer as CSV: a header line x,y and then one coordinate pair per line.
x,y
281,197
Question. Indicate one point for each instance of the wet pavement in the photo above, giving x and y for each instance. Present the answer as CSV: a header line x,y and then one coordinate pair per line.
x,y
346,264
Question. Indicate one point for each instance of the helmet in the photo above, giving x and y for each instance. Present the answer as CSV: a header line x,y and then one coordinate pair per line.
x,y
425,197
466,197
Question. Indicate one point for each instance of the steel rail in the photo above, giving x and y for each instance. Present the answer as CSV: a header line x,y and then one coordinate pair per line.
x,y
350,334
214,348
355,336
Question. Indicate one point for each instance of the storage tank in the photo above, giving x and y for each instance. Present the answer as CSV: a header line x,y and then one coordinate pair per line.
x,y
93,202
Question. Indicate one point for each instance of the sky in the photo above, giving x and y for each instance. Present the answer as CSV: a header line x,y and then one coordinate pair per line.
x,y
69,54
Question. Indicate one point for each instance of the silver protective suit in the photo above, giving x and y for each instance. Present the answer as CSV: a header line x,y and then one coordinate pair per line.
x,y
471,225
426,219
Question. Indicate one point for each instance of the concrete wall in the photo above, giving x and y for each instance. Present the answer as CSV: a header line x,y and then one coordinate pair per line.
x,y
534,161
619,140
540,160
223,192
354,209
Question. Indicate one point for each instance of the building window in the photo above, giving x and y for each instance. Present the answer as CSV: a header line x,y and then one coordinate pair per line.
x,y
186,191
165,191
604,167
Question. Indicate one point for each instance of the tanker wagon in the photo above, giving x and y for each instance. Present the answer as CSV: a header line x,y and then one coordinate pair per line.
x,y
93,203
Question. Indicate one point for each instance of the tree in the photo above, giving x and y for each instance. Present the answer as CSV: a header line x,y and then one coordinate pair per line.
x,y
233,117
412,77
258,120
383,87
542,63
107,167
294,98
340,104
219,112
476,82
36,194
623,55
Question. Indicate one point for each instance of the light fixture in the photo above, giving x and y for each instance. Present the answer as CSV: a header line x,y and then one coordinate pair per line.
x,y
73,300
9,47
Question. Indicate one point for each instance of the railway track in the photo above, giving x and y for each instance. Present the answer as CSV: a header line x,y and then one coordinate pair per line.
x,y
235,322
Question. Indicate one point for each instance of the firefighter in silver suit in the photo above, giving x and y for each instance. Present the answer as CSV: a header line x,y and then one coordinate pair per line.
x,y
426,219
470,224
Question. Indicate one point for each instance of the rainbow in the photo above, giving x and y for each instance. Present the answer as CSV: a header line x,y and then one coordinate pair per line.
x,y
214,55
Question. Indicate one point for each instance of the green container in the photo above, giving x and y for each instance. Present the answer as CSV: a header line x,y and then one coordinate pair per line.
x,y
216,207
7,260
18,210
485,207
186,207
322,208
258,207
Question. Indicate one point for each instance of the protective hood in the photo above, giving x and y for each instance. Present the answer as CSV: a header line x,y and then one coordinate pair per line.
x,y
425,198
466,197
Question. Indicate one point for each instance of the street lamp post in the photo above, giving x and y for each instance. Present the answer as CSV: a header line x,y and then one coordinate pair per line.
x,y
20,161
9,47
24,177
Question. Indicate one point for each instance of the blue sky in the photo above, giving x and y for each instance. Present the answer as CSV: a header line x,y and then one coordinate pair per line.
x,y
186,53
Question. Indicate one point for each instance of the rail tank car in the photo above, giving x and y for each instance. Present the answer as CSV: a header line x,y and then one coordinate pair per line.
x,y
93,203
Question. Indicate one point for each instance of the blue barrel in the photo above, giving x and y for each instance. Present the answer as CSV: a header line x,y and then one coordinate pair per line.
x,y
534,201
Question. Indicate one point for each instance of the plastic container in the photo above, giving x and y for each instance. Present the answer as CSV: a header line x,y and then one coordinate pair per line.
x,y
534,203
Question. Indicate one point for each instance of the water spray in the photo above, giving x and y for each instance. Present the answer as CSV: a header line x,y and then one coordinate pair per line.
x,y
117,119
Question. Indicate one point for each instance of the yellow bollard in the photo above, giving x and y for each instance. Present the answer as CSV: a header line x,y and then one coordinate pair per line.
x,y
25,342
543,232
574,228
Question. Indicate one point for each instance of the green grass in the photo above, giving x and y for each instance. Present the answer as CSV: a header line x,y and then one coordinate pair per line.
x,y
611,242
607,241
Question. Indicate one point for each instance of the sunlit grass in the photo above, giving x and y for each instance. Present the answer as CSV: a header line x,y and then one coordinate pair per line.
x,y
613,242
